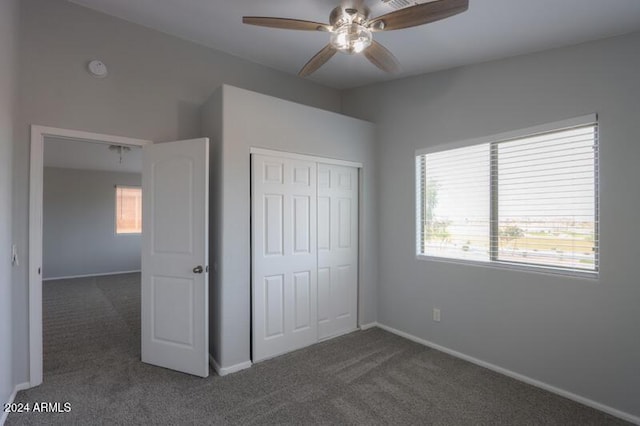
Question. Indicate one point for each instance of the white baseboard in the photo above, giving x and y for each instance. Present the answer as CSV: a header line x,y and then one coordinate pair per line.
x,y
550,388
368,326
103,274
17,388
338,334
228,370
22,386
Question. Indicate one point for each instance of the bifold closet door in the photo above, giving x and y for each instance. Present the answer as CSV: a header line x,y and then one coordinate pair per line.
x,y
337,250
284,255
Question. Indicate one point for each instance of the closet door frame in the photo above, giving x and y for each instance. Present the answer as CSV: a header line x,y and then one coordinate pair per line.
x,y
329,161
306,157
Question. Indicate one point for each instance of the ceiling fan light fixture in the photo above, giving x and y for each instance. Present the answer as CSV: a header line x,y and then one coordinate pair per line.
x,y
351,38
351,29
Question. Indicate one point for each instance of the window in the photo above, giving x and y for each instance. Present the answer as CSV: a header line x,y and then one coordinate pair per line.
x,y
529,201
128,210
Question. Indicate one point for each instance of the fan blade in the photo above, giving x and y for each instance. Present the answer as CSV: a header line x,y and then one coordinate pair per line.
x,y
286,23
379,56
418,15
318,60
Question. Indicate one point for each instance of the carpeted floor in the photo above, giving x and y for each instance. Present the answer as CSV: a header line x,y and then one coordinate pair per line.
x,y
92,360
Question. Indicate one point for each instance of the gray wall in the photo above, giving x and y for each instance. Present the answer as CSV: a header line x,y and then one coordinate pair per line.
x,y
579,335
79,235
253,120
8,44
154,90
212,127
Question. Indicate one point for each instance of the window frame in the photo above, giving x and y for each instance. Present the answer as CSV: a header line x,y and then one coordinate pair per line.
x,y
493,262
115,211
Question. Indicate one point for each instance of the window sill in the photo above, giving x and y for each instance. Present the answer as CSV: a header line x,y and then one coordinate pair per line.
x,y
501,265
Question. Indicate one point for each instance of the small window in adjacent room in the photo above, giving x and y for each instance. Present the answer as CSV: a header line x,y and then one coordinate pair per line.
x,y
530,201
128,210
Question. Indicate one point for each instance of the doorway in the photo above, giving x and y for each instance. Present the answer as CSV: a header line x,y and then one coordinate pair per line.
x,y
39,136
92,234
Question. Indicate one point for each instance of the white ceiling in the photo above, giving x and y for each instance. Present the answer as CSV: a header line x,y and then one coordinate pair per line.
x,y
84,155
490,29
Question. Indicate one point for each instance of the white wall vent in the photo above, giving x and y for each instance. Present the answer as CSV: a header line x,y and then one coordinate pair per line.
x,y
401,4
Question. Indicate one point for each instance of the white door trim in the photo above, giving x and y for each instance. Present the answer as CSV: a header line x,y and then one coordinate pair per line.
x,y
305,157
38,134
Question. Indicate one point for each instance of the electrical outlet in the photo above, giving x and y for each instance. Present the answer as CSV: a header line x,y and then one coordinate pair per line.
x,y
436,314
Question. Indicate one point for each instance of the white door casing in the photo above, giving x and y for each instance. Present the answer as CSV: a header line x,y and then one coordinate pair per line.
x,y
337,250
284,255
175,188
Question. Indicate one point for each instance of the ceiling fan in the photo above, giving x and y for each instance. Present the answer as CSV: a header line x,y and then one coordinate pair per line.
x,y
351,30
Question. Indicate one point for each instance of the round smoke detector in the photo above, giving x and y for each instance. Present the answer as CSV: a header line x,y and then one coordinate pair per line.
x,y
97,69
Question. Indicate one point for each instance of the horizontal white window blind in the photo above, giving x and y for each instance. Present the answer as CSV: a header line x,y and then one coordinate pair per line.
x,y
128,210
529,201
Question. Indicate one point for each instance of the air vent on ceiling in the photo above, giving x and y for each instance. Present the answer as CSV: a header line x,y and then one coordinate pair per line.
x,y
401,4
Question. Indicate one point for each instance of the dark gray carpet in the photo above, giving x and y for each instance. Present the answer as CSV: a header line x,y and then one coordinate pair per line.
x,y
92,360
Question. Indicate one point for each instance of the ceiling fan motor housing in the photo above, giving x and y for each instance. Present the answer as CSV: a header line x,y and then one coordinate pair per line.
x,y
340,16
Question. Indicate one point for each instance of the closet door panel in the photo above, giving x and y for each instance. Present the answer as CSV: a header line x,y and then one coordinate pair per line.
x,y
284,255
338,255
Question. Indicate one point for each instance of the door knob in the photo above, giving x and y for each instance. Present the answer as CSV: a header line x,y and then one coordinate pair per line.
x,y
197,270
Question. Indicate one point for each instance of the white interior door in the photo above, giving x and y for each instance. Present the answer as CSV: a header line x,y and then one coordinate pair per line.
x,y
284,255
337,250
175,187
